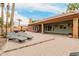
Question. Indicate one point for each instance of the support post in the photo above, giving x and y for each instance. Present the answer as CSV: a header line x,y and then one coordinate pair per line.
x,y
75,28
42,28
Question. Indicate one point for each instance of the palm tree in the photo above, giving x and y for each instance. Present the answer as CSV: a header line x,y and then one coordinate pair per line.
x,y
7,17
19,20
2,18
0,22
12,16
72,7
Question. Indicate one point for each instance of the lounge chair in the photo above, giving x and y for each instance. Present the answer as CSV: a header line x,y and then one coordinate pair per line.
x,y
24,35
14,36
20,36
11,35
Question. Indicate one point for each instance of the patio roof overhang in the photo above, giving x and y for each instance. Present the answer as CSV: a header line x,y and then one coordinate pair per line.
x,y
58,18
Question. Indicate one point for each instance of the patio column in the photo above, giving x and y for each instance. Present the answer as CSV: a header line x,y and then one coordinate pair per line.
x,y
75,28
42,28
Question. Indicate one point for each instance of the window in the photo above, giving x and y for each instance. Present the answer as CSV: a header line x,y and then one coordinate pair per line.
x,y
49,27
69,25
61,26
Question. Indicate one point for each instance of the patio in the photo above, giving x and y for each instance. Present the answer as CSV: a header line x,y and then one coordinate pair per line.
x,y
42,44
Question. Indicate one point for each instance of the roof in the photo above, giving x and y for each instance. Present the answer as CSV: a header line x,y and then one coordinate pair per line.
x,y
58,18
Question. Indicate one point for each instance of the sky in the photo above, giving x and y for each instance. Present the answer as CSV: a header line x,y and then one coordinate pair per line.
x,y
36,11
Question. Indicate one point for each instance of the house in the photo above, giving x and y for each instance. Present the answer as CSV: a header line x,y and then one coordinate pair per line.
x,y
65,23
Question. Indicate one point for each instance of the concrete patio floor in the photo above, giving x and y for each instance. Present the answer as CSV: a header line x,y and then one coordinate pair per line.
x,y
60,46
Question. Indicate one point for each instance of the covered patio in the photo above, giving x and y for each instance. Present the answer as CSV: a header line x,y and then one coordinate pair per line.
x,y
69,23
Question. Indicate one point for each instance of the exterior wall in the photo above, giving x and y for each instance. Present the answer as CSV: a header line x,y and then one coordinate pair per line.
x,y
66,30
37,28
56,29
61,31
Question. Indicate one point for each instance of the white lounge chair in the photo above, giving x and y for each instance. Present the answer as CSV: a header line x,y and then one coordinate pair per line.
x,y
24,35
13,36
20,36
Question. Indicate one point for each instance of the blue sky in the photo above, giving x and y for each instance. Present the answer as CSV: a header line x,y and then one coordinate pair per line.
x,y
37,11
27,11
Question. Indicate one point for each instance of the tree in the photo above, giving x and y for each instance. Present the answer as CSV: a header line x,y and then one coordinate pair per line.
x,y
12,16
0,21
8,25
19,20
72,7
2,18
33,20
7,17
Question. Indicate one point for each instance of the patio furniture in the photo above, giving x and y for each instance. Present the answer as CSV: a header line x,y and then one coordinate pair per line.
x,y
25,35
14,36
20,36
11,35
